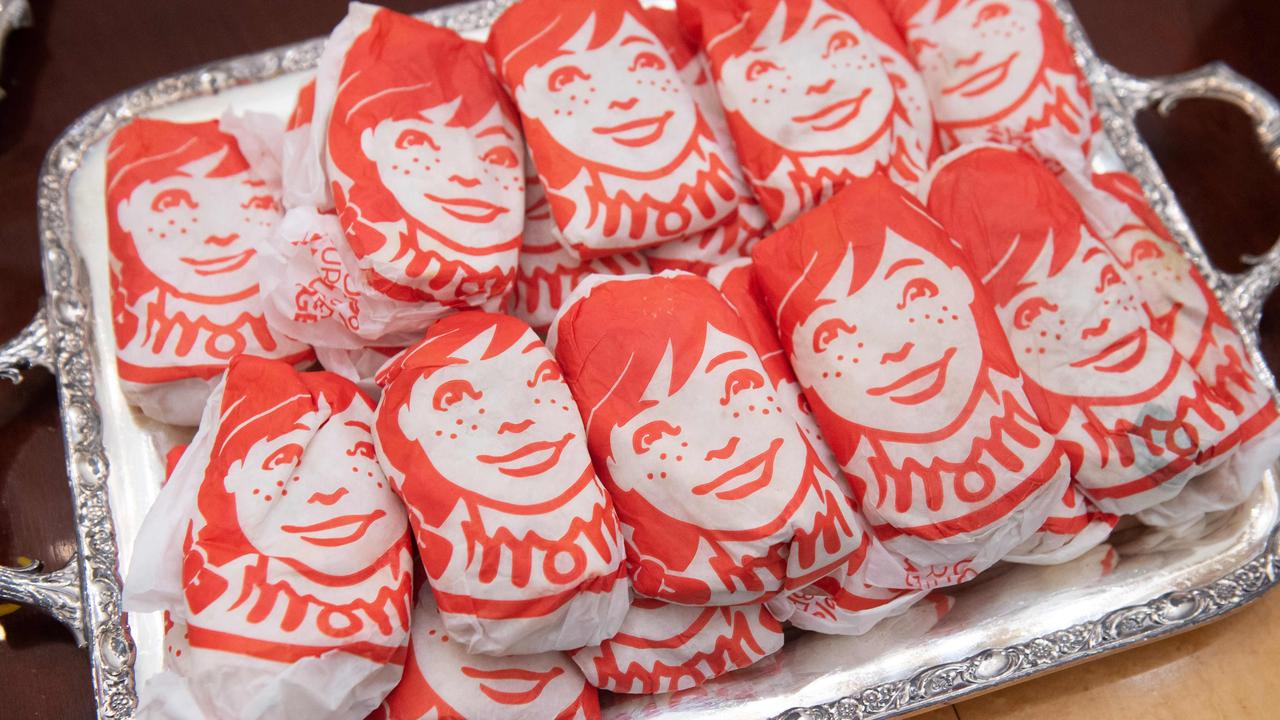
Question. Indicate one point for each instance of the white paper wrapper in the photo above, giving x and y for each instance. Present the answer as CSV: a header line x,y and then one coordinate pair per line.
x,y
843,603
482,439
1139,418
301,165
549,271
360,366
816,94
736,281
733,238
663,648
312,288
1073,528
816,651
279,554
944,453
627,157
260,137
722,499
1006,75
424,158
1185,311
443,682
185,215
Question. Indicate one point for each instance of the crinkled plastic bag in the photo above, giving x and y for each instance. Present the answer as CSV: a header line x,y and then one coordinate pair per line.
x,y
479,434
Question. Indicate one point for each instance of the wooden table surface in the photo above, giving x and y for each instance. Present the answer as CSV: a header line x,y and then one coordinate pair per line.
x,y
82,51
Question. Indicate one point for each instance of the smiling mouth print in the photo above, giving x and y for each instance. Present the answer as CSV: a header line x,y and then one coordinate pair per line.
x,y
361,525
743,480
982,80
928,379
1135,344
510,464
853,106
525,685
220,265
471,210
636,133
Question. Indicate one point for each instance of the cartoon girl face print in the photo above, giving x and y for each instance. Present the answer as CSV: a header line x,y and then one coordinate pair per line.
x,y
317,497
980,58
1098,333
904,355
1153,260
621,105
710,430
198,233
521,427
462,182
822,90
481,686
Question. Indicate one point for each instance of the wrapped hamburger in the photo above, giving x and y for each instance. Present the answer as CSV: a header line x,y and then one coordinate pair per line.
x,y
1137,418
424,159
943,451
733,238
1185,311
548,272
481,437
442,681
280,555
664,648
816,92
627,157
185,217
1001,72
722,499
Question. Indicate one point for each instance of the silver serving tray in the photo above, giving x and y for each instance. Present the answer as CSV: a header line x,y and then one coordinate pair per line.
x,y
1013,623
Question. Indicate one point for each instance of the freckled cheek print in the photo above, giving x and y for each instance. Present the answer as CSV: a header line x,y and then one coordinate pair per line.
x,y
479,443
264,478
690,463
418,161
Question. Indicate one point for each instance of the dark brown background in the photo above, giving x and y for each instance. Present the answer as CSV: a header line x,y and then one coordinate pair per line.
x,y
80,52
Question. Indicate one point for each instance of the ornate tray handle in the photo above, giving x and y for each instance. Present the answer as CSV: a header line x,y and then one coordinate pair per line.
x,y
57,592
1244,293
1217,81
